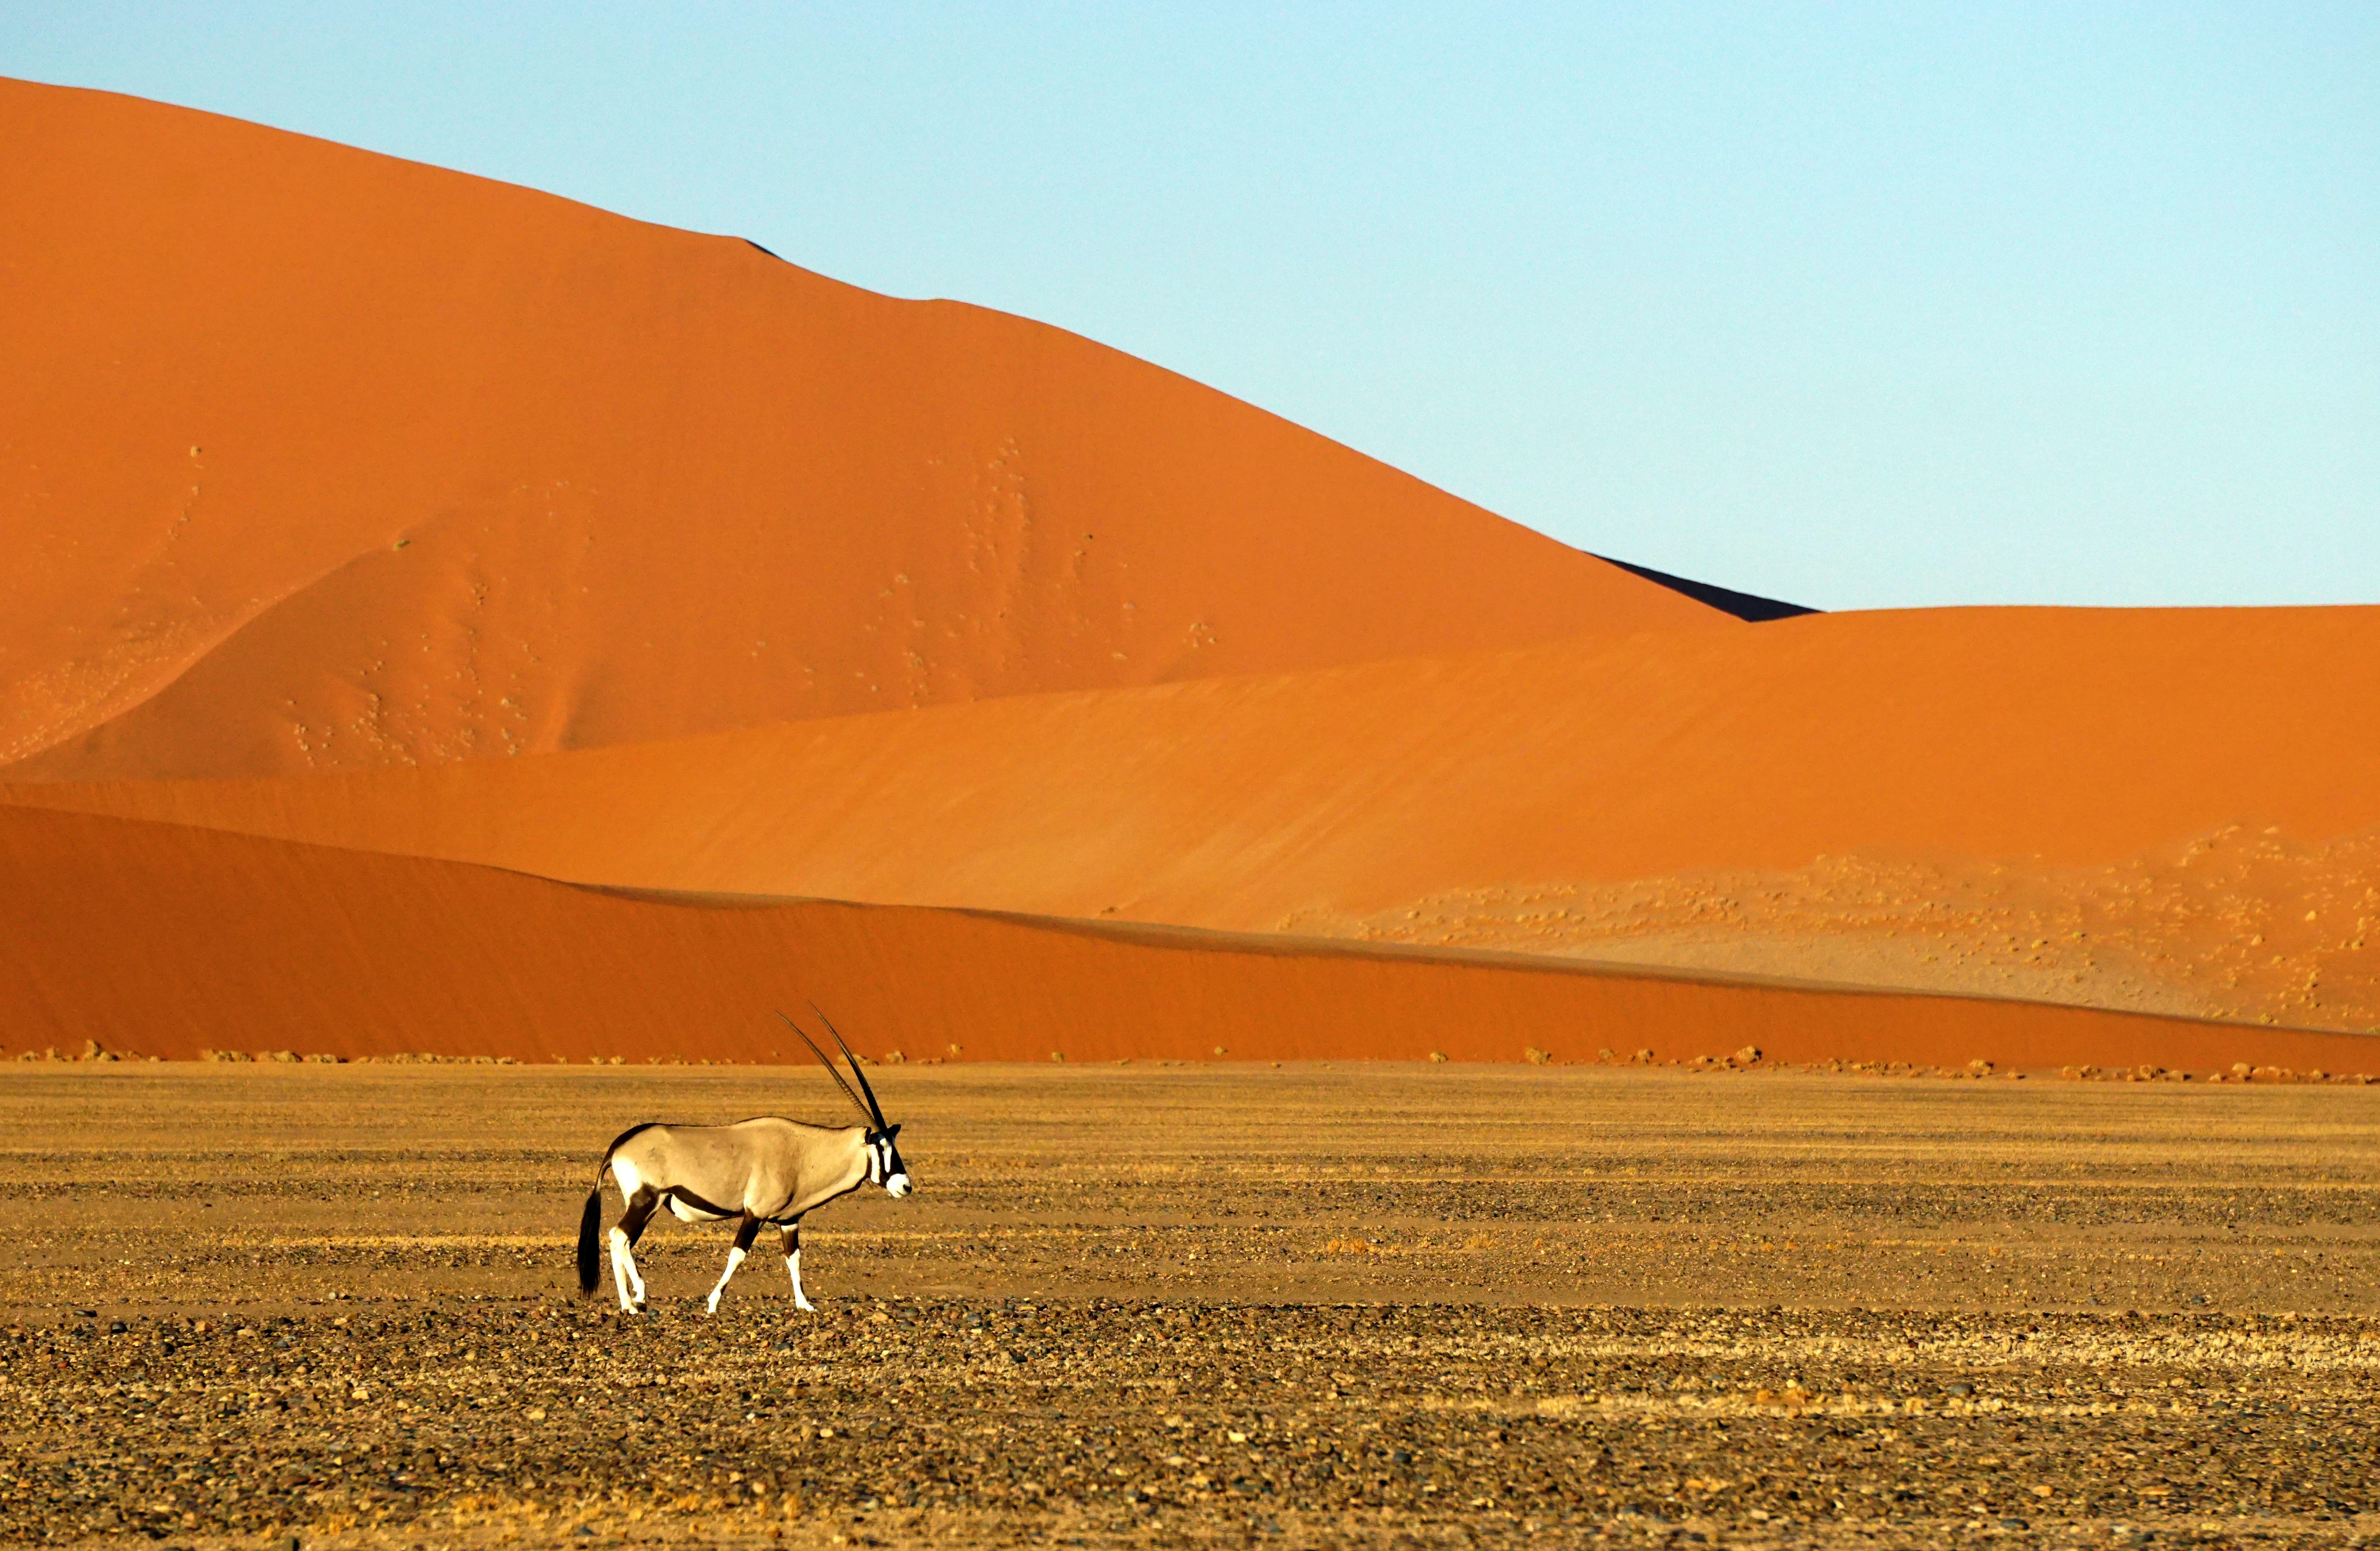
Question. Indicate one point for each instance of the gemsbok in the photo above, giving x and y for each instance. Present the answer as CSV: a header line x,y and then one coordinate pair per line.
x,y
764,1171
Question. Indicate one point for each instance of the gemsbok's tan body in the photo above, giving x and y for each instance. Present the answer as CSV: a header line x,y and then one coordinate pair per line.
x,y
768,1170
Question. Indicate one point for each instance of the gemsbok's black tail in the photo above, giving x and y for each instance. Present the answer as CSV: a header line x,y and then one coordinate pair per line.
x,y
590,1221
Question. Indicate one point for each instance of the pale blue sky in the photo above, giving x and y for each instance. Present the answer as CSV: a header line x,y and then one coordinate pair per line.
x,y
1860,307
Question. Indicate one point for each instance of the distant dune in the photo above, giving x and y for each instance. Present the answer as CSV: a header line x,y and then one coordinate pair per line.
x,y
1973,780
405,547
166,941
327,460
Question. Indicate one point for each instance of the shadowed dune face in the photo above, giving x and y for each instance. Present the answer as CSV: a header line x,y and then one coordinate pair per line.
x,y
1939,799
326,460
174,940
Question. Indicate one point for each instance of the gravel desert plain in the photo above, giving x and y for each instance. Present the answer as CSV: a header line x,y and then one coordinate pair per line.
x,y
1365,1305
1407,1033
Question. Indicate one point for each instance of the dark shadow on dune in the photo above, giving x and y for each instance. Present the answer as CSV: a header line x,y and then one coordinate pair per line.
x,y
1743,605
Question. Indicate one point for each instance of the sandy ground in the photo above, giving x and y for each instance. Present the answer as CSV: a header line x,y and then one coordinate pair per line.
x,y
1150,1305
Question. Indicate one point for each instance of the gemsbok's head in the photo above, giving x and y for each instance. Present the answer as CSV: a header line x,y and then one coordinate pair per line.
x,y
882,1138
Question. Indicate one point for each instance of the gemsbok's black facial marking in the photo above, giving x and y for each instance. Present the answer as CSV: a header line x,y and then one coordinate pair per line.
x,y
884,1163
763,1170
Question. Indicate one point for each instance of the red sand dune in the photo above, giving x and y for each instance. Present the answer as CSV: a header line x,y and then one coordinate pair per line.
x,y
2016,801
170,941
2057,736
340,477
647,483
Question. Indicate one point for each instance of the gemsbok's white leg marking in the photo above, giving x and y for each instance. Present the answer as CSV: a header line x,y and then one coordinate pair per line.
x,y
793,1247
629,1282
620,1265
794,1266
734,1258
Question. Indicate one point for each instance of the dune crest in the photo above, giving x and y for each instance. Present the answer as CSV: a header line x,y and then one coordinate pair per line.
x,y
328,460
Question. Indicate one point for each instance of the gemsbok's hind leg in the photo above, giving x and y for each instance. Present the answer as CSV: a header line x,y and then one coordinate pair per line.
x,y
794,1264
624,1233
745,1231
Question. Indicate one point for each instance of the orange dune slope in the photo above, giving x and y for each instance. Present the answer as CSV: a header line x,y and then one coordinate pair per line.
x,y
317,459
167,941
2052,737
2166,810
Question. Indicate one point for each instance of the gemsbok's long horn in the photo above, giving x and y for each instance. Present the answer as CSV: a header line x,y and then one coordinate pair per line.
x,y
828,1061
879,1109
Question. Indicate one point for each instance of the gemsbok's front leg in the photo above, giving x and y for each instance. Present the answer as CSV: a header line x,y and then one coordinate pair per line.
x,y
624,1233
745,1231
794,1266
